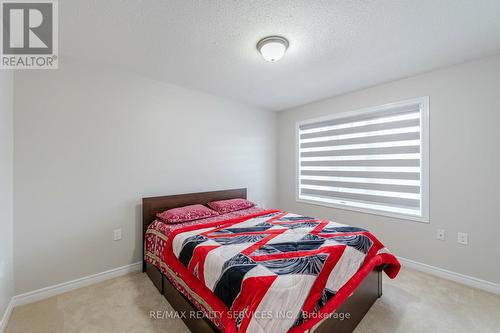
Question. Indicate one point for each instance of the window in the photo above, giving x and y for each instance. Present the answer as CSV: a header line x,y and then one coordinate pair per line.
x,y
373,160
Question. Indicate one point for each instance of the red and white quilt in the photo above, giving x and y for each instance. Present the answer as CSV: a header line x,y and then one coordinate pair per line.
x,y
271,271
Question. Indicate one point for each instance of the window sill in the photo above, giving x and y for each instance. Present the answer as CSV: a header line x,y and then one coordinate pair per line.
x,y
366,211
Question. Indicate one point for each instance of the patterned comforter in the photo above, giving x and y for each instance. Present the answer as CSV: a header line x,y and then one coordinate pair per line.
x,y
271,271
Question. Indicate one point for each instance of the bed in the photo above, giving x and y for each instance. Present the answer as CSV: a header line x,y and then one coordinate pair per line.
x,y
180,284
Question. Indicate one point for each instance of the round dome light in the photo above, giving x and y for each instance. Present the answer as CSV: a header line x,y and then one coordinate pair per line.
x,y
272,48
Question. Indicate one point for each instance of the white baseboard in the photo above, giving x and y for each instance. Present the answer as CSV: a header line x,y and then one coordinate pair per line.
x,y
6,315
37,295
453,276
47,292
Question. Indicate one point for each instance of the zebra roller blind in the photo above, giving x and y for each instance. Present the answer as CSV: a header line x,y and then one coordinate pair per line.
x,y
369,160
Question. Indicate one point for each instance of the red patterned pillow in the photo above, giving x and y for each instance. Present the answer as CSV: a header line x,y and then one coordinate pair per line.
x,y
231,205
186,213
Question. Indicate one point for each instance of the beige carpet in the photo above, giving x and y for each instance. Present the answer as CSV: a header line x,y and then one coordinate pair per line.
x,y
414,302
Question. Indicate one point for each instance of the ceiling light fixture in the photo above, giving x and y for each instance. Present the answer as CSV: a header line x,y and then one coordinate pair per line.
x,y
272,48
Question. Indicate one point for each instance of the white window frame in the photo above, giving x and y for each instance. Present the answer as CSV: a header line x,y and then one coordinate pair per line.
x,y
424,159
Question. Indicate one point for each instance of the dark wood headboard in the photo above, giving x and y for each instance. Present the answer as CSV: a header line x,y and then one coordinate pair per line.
x,y
153,205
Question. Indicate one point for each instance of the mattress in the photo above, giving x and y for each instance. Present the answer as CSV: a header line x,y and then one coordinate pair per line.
x,y
266,270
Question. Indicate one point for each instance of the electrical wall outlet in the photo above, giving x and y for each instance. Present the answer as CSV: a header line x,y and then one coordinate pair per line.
x,y
463,238
440,234
117,234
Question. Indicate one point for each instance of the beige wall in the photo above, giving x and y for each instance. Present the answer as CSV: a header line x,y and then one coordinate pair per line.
x,y
6,188
464,166
90,142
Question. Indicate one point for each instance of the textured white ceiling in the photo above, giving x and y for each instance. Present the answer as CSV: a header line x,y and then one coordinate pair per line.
x,y
335,46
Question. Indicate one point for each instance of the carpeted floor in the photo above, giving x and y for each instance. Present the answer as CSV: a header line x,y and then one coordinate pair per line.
x,y
414,302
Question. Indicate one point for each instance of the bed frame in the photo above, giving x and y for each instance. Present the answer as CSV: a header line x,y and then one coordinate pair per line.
x,y
357,305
